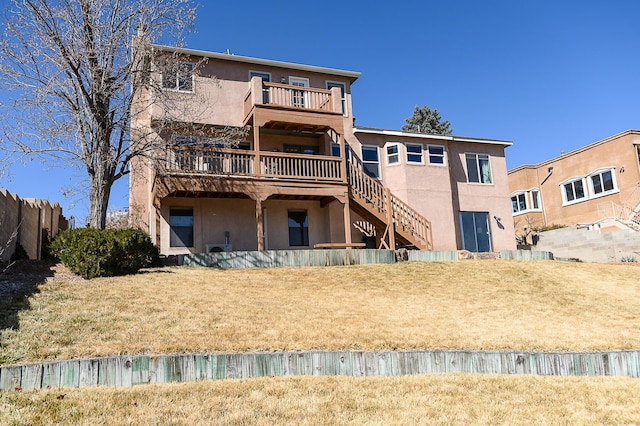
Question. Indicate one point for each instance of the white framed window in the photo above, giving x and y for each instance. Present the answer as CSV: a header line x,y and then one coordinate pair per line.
x,y
436,154
371,161
573,190
343,94
478,168
602,182
178,76
525,201
414,153
299,98
393,154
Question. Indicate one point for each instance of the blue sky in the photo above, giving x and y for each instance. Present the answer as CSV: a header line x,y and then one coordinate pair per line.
x,y
551,76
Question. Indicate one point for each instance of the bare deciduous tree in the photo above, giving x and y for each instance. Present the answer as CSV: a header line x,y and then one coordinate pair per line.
x,y
74,70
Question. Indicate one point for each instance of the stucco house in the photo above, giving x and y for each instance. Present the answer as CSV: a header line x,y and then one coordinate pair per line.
x,y
595,187
298,173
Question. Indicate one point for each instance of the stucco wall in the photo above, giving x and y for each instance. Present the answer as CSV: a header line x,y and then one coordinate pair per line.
x,y
617,152
215,216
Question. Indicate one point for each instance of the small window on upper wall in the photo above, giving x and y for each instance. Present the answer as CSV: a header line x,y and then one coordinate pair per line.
x,y
573,191
436,154
414,153
177,76
371,161
602,182
393,155
478,168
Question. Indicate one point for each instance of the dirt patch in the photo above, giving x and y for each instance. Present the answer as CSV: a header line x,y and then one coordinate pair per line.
x,y
24,276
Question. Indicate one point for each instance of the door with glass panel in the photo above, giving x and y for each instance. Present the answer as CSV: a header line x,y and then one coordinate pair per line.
x,y
299,98
475,231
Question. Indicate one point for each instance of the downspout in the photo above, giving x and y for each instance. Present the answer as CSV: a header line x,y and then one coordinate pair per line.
x,y
544,210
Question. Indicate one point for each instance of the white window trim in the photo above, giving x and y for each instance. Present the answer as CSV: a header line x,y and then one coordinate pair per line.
x,y
176,88
477,154
444,156
587,184
566,202
377,148
592,191
407,153
528,199
397,154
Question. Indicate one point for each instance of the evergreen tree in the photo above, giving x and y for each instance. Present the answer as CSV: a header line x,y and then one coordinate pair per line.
x,y
427,120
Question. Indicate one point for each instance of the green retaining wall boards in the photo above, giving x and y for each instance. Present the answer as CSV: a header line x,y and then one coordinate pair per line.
x,y
127,371
274,258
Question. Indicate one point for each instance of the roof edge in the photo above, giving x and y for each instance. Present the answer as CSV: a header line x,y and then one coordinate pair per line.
x,y
352,75
369,130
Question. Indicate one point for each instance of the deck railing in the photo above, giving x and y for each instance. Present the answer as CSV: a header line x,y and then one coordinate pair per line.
x,y
297,97
377,198
300,166
237,162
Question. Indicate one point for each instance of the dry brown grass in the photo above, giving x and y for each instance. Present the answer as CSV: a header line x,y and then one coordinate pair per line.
x,y
550,306
432,399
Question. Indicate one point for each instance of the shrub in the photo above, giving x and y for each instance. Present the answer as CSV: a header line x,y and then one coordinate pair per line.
x,y
628,259
94,253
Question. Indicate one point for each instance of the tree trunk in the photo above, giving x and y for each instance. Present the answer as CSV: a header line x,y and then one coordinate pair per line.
x,y
99,193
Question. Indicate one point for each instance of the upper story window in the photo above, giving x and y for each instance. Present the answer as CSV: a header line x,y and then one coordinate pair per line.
x,y
178,76
264,76
414,153
596,184
436,154
343,94
393,154
602,182
371,161
573,190
525,201
478,168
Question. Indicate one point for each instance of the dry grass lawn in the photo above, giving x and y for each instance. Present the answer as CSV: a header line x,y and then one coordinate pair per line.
x,y
432,399
541,305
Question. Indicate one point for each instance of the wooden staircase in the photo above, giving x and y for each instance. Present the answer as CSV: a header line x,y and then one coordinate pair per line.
x,y
401,225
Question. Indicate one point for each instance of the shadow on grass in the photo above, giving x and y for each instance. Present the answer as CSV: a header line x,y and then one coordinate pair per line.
x,y
17,284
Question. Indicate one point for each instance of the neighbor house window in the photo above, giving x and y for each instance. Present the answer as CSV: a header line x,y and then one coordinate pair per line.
x,y
393,154
519,202
414,153
181,227
602,182
371,161
436,154
525,201
178,76
478,168
573,191
298,228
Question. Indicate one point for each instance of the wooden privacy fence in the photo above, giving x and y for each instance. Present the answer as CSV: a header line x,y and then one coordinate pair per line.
x,y
126,371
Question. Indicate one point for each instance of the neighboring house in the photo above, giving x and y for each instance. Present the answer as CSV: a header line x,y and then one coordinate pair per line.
x,y
595,187
303,175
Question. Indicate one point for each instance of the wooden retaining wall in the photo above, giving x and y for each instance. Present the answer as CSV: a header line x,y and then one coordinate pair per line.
x,y
127,371
274,258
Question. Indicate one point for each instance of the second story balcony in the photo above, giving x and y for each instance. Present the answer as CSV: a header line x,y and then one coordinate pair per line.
x,y
239,163
277,102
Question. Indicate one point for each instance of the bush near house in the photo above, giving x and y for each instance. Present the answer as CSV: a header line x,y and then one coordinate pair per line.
x,y
93,253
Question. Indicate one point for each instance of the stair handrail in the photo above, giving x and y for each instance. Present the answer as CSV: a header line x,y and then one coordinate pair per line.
x,y
405,217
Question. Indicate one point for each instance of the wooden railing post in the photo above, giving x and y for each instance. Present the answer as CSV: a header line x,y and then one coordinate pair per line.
x,y
390,223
